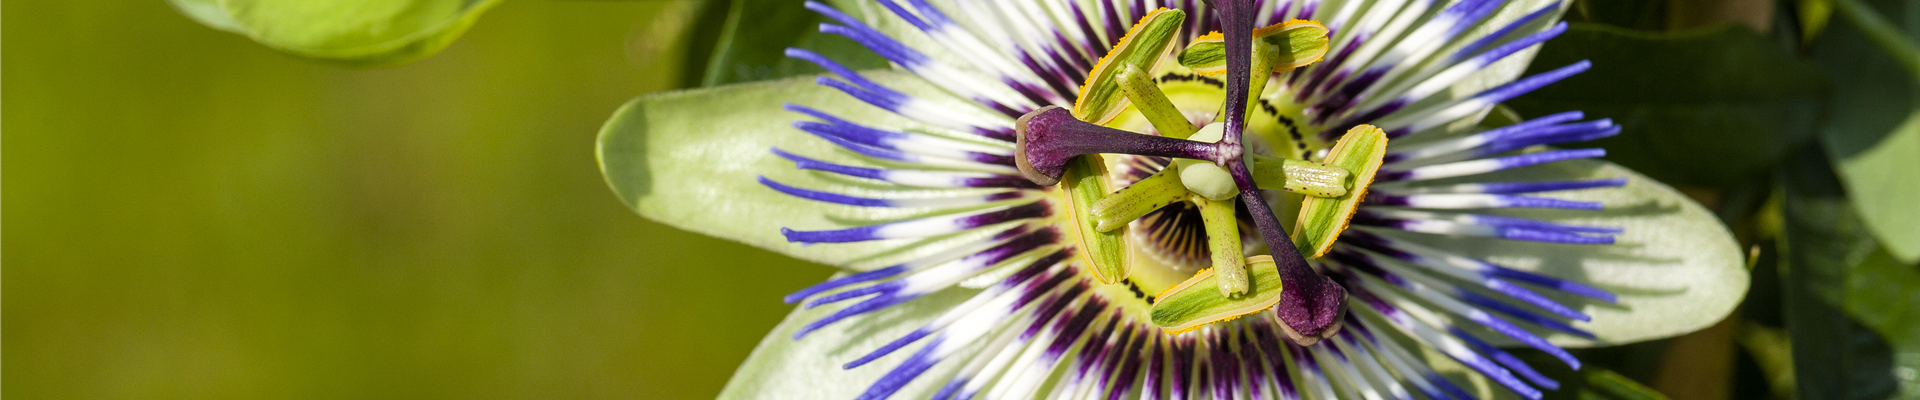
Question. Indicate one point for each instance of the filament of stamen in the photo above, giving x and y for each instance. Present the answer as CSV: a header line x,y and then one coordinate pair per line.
x,y
1223,241
1146,96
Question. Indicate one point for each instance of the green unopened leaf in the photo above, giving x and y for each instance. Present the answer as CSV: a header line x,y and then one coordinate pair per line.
x,y
352,32
1710,106
1676,269
1872,133
691,159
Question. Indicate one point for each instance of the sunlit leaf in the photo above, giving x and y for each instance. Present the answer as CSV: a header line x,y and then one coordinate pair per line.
x,y
352,32
1708,106
691,159
1872,132
1676,269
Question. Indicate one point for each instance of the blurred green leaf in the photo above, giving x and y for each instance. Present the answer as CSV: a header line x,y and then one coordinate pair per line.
x,y
1676,269
207,12
1852,310
352,32
1619,387
1711,106
691,159
1872,133
1772,352
1813,16
1632,14
752,46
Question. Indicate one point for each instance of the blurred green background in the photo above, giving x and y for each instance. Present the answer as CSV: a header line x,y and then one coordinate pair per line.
x,y
192,215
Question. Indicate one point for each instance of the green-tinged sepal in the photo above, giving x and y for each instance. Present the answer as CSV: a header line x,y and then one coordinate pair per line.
x,y
1134,201
1196,302
1146,96
1298,176
1104,253
1323,218
1100,98
1299,43
1223,242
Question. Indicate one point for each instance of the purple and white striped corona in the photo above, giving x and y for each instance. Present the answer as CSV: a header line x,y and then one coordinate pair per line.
x,y
1039,323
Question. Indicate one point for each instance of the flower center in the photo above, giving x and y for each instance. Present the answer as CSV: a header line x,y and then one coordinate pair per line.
x,y
1178,188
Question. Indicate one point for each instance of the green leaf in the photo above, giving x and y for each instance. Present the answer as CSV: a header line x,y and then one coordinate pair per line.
x,y
352,32
1872,132
207,12
691,158
1852,310
752,45
1635,14
1711,106
1676,269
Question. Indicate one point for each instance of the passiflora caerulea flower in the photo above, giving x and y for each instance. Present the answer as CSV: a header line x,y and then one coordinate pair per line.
x,y
1100,199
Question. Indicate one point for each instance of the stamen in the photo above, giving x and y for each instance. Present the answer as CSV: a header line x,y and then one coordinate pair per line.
x,y
1137,200
1321,218
1223,242
1196,302
1299,43
1298,176
1146,96
1100,99
1104,253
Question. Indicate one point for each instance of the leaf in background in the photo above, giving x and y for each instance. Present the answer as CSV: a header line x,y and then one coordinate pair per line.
x,y
1631,14
752,46
207,12
1813,16
1852,310
1709,106
1872,132
354,32
691,159
1676,268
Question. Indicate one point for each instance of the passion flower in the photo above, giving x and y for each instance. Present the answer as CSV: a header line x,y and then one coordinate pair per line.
x,y
1099,199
